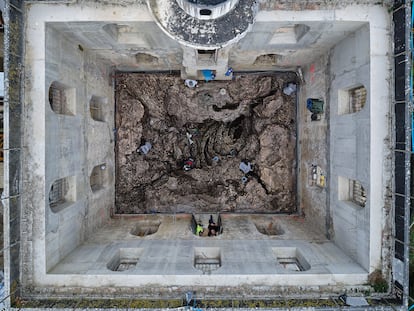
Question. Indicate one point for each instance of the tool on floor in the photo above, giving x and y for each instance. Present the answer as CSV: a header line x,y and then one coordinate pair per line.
x,y
316,107
317,176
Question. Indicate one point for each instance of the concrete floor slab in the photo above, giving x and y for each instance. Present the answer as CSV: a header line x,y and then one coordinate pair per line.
x,y
244,252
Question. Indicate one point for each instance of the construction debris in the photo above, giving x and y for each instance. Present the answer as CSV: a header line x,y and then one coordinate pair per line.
x,y
190,83
144,149
289,89
245,167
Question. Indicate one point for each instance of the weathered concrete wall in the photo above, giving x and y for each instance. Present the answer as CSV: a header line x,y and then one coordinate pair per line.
x,y
76,144
99,144
129,45
313,145
71,146
289,44
140,45
352,145
64,148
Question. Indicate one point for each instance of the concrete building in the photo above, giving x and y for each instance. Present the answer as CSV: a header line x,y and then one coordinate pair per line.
x,y
65,236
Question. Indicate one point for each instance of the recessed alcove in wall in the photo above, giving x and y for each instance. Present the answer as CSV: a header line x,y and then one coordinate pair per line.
x,y
269,227
99,177
144,228
205,12
351,191
207,56
146,58
126,33
351,100
98,106
289,34
206,52
62,193
291,259
267,59
62,98
124,259
207,259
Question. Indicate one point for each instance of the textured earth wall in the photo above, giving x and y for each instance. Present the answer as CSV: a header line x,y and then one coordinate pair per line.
x,y
212,128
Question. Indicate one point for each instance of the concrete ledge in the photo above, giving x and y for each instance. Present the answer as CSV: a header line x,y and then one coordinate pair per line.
x,y
166,258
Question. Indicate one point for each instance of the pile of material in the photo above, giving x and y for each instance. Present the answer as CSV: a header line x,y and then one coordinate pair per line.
x,y
187,149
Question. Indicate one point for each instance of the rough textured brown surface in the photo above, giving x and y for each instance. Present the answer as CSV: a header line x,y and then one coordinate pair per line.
x,y
316,4
249,114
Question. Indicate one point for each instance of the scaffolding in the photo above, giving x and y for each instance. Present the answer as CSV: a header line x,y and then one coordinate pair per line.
x,y
402,17
13,103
